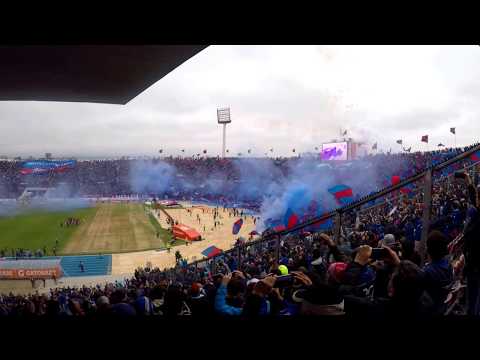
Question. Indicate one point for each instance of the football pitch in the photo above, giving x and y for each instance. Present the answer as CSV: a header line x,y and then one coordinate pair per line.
x,y
105,228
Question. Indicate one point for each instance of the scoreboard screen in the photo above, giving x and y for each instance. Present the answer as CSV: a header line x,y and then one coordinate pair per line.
x,y
335,151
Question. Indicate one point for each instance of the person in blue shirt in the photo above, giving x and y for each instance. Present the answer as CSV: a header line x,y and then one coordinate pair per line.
x,y
221,305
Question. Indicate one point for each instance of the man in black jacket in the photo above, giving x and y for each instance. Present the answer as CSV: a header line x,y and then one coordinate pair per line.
x,y
199,303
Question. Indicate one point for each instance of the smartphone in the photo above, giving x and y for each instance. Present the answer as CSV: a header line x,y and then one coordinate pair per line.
x,y
379,253
460,175
284,281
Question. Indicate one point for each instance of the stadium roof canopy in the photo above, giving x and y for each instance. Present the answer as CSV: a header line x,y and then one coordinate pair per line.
x,y
112,74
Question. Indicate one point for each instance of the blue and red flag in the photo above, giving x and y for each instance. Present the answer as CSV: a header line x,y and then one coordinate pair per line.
x,y
322,225
275,225
237,225
290,219
342,193
408,189
211,251
43,167
475,156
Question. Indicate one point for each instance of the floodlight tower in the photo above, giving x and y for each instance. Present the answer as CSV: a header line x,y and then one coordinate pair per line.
x,y
223,117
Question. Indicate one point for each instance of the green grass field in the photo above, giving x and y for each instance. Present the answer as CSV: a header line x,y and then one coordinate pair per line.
x,y
38,229
106,228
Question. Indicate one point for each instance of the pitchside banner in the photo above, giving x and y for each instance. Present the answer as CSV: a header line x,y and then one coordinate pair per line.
x,y
42,167
30,269
19,274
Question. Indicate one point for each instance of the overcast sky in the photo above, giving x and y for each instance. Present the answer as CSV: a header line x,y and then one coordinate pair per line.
x,y
280,96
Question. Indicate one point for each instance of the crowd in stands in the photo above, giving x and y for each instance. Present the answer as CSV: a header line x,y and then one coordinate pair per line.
x,y
302,283
373,271
367,274
113,177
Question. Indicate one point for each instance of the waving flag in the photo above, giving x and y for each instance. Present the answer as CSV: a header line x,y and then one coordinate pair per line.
x,y
395,179
408,189
237,225
452,130
290,219
400,142
322,225
441,145
275,225
211,251
475,156
425,138
343,194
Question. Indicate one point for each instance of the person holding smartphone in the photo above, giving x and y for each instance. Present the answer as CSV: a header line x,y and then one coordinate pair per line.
x,y
406,296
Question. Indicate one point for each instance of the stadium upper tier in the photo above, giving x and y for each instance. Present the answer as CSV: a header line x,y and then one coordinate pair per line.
x,y
230,179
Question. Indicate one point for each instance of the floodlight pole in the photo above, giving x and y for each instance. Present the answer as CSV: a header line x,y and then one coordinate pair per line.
x,y
223,118
224,139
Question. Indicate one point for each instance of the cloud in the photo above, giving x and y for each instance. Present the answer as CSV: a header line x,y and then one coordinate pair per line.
x,y
280,96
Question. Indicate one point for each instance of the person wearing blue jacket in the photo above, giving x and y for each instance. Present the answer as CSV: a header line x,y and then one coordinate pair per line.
x,y
256,303
221,305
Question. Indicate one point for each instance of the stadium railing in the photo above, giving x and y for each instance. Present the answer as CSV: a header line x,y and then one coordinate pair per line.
x,y
426,176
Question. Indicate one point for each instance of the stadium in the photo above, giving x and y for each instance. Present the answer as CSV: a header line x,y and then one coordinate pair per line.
x,y
321,232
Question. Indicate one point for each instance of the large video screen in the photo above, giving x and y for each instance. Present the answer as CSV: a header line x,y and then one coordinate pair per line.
x,y
335,151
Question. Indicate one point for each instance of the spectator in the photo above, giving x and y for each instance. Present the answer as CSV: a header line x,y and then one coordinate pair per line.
x,y
472,251
438,272
103,306
221,305
199,303
119,305
406,297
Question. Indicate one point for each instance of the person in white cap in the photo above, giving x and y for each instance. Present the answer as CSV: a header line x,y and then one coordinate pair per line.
x,y
388,240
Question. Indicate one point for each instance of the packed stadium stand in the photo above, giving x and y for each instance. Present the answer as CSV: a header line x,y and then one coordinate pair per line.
x,y
377,259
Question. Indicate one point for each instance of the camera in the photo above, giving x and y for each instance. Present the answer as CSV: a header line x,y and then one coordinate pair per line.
x,y
379,253
284,281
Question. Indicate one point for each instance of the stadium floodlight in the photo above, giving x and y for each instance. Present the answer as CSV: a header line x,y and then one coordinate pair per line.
x,y
223,118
